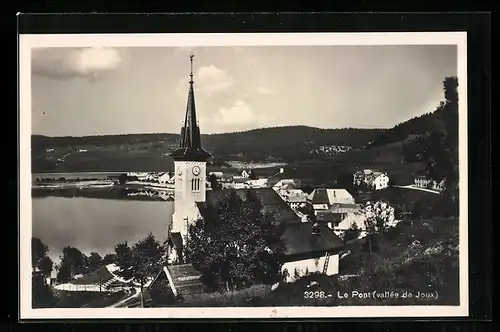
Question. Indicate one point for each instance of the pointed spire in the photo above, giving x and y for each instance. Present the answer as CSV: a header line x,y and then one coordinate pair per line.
x,y
190,140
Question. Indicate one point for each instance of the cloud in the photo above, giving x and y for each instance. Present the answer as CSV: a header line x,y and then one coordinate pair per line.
x,y
209,79
62,63
265,91
240,115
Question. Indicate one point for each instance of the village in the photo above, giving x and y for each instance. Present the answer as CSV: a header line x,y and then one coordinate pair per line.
x,y
317,225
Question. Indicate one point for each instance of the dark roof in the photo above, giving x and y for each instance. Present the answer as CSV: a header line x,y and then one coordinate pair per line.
x,y
320,196
297,235
270,200
186,279
100,275
299,239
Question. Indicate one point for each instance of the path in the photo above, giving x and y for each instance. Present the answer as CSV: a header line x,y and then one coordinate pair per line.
x,y
418,188
119,303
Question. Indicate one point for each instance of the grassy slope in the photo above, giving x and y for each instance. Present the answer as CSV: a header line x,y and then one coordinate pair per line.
x,y
430,265
396,267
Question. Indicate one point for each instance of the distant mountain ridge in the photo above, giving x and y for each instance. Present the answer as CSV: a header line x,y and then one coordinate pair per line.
x,y
288,143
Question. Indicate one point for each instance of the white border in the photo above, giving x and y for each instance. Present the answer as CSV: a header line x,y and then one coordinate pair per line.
x,y
27,42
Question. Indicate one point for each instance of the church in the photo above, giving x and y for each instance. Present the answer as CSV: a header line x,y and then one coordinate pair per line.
x,y
309,247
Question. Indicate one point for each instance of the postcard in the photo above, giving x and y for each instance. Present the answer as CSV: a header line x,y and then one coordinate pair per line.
x,y
296,175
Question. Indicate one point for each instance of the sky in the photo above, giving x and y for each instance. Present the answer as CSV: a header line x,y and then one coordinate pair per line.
x,y
99,91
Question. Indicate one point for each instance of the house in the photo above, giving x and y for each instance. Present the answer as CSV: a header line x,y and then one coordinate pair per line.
x,y
308,246
422,181
240,183
218,175
181,279
294,197
379,181
82,150
165,177
258,183
304,251
324,199
342,217
373,179
49,150
104,278
285,184
246,173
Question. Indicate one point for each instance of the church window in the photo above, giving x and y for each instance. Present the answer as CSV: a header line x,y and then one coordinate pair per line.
x,y
195,184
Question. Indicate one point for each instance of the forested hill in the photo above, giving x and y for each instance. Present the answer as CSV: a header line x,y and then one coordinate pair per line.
x,y
265,136
421,125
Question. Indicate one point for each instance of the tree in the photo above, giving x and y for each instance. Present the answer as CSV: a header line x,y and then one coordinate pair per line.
x,y
352,233
41,294
73,262
38,251
108,259
122,178
94,261
370,227
214,183
236,244
439,150
252,176
46,266
140,262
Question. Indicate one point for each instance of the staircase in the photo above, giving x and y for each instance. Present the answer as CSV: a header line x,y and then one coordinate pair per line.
x,y
327,260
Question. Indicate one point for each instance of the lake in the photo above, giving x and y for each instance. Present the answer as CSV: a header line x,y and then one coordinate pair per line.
x,y
96,225
79,175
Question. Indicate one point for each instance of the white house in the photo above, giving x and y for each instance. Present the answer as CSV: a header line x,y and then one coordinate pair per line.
x,y
373,179
379,181
294,197
258,183
246,173
165,178
323,199
422,181
218,175
286,184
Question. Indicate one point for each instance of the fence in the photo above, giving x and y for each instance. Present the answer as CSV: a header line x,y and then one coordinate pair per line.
x,y
90,288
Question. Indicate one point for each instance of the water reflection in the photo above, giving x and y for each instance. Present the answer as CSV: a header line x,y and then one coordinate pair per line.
x,y
96,225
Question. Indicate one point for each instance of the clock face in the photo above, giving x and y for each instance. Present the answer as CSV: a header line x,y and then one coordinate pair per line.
x,y
196,170
179,170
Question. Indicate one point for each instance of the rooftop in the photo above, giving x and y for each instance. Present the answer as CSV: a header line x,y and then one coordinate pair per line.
x,y
329,196
297,235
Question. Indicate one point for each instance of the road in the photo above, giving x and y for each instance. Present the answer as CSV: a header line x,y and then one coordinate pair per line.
x,y
418,188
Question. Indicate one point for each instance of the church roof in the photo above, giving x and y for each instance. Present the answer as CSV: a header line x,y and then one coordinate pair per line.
x,y
190,139
297,236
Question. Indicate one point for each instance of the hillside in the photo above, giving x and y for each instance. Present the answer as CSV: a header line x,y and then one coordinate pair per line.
x,y
426,123
149,152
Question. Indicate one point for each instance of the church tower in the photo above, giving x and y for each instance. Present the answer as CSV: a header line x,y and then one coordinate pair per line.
x,y
190,163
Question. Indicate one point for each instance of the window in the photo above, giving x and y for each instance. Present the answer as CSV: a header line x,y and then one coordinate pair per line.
x,y
195,184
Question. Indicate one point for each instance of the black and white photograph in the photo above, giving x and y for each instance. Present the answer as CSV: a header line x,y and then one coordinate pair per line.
x,y
243,175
